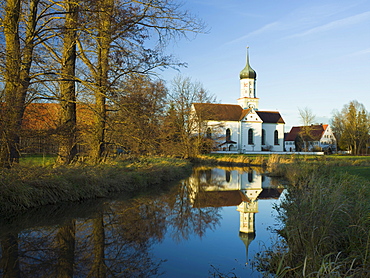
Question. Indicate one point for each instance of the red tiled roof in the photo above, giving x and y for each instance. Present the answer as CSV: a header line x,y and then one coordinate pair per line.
x,y
219,198
218,112
313,132
244,113
232,112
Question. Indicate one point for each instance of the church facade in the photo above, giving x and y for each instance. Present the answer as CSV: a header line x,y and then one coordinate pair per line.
x,y
242,127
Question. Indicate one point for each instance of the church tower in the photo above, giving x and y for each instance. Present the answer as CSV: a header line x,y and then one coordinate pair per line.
x,y
248,97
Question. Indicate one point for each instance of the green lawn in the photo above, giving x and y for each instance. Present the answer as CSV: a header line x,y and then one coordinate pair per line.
x,y
37,160
361,171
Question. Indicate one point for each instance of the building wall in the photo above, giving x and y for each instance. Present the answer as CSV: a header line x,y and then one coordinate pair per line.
x,y
219,132
281,130
240,132
289,146
270,136
328,137
245,127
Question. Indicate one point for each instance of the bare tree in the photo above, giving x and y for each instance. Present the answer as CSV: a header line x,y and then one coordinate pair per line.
x,y
27,26
116,47
307,119
187,130
18,60
112,38
137,121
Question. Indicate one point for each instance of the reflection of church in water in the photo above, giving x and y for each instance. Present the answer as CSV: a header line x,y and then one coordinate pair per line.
x,y
220,187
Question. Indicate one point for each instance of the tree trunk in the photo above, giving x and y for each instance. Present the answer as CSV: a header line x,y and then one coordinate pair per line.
x,y
104,41
14,103
17,77
67,128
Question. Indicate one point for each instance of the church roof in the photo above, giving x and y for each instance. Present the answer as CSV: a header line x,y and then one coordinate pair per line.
x,y
232,112
218,112
270,117
311,133
225,198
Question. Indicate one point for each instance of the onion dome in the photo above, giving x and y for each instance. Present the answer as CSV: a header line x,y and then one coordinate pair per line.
x,y
248,72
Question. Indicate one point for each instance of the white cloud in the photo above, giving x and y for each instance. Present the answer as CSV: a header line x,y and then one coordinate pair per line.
x,y
268,27
361,52
351,20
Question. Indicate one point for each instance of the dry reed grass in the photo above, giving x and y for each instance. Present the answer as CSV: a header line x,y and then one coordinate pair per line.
x,y
24,187
326,218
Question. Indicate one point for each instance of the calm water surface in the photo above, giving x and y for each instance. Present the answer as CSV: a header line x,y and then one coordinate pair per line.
x,y
212,223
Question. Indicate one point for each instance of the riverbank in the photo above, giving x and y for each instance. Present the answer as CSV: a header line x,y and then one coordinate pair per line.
x,y
29,185
325,216
277,165
326,223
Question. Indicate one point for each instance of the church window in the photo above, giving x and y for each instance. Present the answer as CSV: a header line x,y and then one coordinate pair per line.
x,y
276,137
209,133
250,136
228,135
263,137
228,178
250,176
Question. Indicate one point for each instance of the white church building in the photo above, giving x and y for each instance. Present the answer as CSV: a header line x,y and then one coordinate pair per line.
x,y
242,127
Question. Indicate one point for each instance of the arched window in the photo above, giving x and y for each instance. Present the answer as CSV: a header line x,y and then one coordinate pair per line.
x,y
209,133
228,134
276,137
263,137
250,136
227,176
250,176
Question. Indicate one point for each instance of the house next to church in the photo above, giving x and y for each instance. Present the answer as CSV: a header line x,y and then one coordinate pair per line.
x,y
242,127
311,138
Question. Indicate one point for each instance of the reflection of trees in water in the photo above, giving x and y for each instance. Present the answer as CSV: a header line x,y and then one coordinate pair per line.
x,y
186,220
10,256
65,241
112,242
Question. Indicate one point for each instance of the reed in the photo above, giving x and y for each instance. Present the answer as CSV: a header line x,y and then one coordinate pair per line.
x,y
326,219
23,187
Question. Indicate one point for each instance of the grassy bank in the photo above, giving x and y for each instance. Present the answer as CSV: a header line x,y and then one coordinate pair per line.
x,y
325,215
31,185
326,218
276,164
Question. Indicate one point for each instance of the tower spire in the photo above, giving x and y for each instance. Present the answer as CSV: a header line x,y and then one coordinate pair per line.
x,y
248,72
248,97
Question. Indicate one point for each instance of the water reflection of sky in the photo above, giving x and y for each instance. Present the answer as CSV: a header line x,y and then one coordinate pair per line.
x,y
221,250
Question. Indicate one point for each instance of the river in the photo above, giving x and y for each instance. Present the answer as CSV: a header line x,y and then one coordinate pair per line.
x,y
209,225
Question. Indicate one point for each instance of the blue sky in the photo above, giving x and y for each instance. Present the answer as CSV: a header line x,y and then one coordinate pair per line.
x,y
313,54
